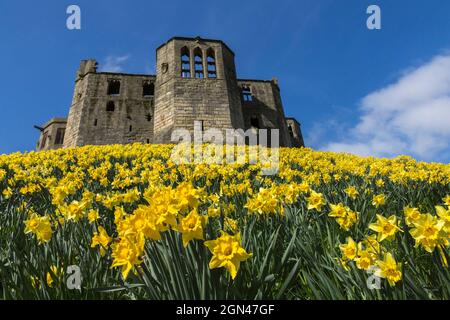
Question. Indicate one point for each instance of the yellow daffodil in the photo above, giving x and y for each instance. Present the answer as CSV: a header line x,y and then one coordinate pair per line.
x,y
191,227
227,253
349,250
127,252
41,227
411,215
389,269
385,227
352,192
102,239
429,232
315,201
378,200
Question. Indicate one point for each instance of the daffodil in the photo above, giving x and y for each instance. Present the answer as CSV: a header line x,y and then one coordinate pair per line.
x,y
385,227
352,192
40,226
349,250
444,215
389,269
378,200
315,201
102,239
93,216
126,253
411,215
429,232
447,201
191,227
227,253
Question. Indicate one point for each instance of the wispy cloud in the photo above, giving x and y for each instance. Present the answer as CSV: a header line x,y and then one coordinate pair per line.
x,y
410,116
114,63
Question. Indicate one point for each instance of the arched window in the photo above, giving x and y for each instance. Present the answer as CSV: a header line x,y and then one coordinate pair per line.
x,y
148,89
198,63
113,87
185,63
110,106
211,62
247,94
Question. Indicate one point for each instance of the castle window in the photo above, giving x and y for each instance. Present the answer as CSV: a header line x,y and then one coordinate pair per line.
x,y
291,131
60,136
44,140
95,122
148,140
211,62
131,128
254,122
247,94
110,106
148,89
148,117
198,64
185,63
113,87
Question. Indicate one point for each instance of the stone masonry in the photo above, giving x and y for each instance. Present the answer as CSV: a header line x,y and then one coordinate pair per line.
x,y
195,81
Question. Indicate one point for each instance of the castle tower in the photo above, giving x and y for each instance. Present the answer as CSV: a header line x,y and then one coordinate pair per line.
x,y
196,81
79,104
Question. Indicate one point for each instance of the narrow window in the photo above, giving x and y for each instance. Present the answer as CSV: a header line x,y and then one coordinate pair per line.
x,y
291,131
149,117
211,62
254,122
247,94
95,122
60,136
148,89
148,140
110,106
198,63
44,140
185,63
113,87
131,128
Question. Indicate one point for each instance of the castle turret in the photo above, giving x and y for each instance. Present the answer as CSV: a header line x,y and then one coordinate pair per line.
x,y
196,81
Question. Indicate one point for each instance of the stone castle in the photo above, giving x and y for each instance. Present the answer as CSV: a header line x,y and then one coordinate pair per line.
x,y
195,81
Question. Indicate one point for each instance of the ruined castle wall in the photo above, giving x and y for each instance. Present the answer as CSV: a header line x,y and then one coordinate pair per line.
x,y
295,133
48,138
266,107
130,120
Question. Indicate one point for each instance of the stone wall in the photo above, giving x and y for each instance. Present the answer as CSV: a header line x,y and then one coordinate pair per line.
x,y
266,107
90,121
52,134
295,133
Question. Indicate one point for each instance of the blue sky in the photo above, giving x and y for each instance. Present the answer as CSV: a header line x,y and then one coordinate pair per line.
x,y
353,89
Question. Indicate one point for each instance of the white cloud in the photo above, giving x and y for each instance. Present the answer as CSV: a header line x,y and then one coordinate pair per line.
x,y
411,116
114,63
